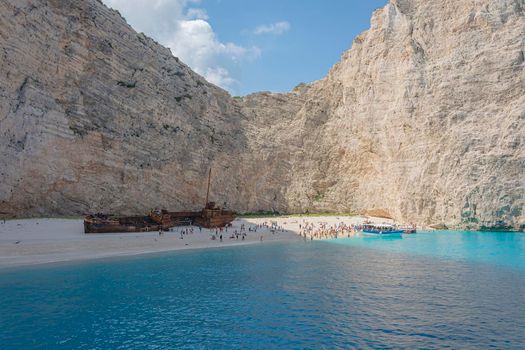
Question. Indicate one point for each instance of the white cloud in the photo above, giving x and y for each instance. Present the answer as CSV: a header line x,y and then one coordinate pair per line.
x,y
220,76
195,13
188,34
277,28
197,45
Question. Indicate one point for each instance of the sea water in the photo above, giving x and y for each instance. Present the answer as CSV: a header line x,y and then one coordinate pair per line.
x,y
498,248
432,290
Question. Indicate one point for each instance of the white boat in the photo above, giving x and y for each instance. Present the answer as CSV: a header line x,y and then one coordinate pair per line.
x,y
381,230
408,228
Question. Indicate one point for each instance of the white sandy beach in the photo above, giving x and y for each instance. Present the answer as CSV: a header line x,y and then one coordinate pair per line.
x,y
38,241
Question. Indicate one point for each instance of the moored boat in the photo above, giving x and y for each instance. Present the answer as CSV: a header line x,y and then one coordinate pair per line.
x,y
408,229
381,230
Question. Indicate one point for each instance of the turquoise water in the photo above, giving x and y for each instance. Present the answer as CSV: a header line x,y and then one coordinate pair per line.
x,y
438,290
499,248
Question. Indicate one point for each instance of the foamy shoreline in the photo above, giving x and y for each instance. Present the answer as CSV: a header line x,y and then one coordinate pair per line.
x,y
41,241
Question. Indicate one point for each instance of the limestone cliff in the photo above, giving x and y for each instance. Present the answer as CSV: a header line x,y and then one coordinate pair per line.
x,y
95,117
422,118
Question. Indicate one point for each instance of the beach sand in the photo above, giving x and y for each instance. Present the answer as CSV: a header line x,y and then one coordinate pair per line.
x,y
39,241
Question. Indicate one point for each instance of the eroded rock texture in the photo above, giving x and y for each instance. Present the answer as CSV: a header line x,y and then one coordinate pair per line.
x,y
95,117
422,118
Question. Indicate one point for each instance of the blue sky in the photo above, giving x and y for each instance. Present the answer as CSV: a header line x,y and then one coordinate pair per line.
x,y
253,45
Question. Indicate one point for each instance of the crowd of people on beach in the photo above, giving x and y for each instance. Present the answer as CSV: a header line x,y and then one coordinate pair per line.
x,y
241,232
308,230
321,230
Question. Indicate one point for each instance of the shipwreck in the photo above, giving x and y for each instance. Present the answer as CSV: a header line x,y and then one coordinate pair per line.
x,y
211,216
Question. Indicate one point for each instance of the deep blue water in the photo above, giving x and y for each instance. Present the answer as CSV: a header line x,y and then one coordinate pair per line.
x,y
450,290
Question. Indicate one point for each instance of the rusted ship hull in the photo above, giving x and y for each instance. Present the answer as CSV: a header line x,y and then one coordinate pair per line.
x,y
109,224
213,217
208,218
214,222
172,219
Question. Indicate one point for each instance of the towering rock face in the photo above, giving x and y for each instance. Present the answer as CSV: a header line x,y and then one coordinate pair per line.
x,y
422,118
95,117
